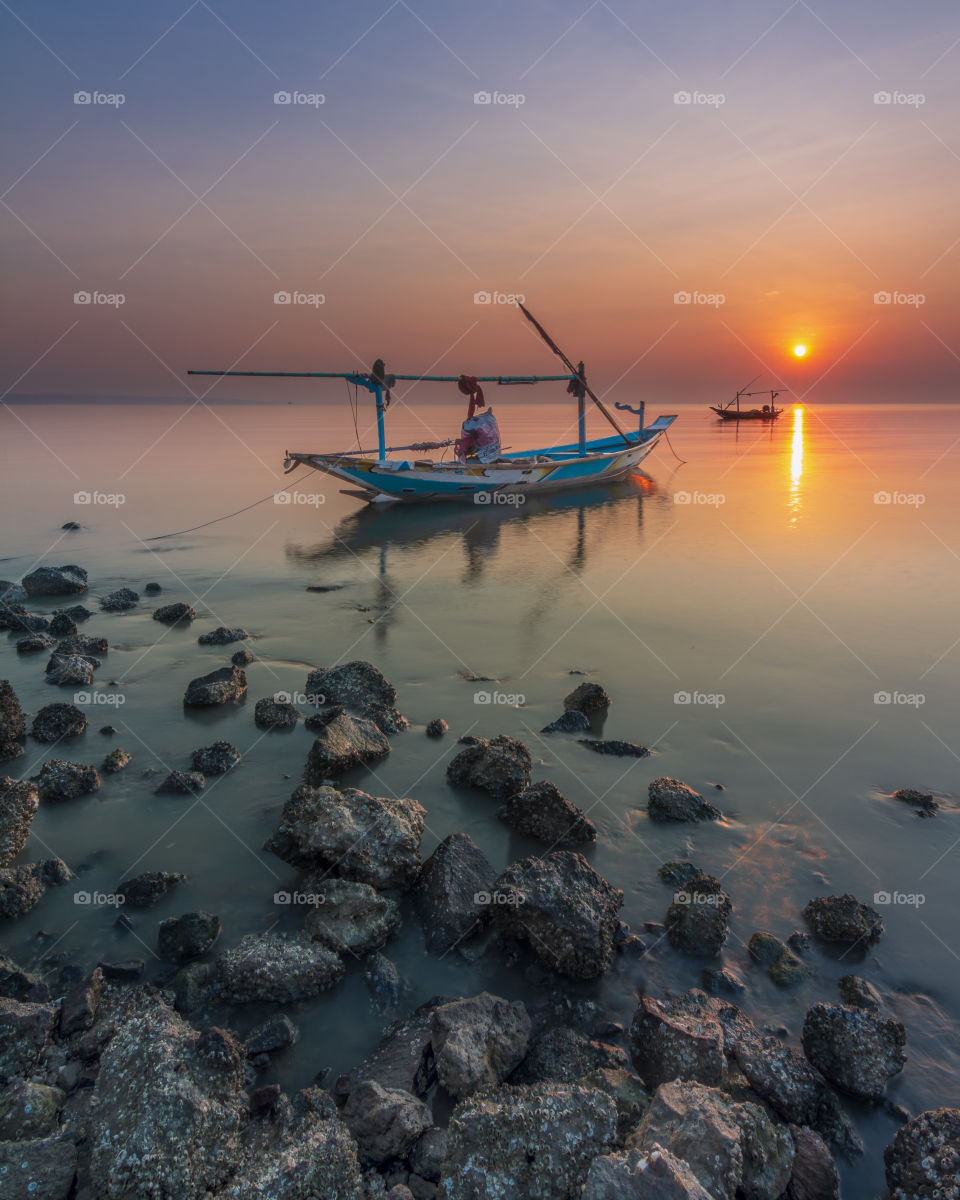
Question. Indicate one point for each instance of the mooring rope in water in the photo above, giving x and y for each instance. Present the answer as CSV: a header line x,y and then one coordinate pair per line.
x,y
193,528
670,444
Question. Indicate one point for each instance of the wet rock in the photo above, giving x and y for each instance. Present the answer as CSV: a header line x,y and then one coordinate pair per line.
x,y
565,909
357,685
25,1029
109,730
62,625
843,919
426,1158
224,686
15,618
615,747
216,759
799,941
275,1033
678,873
172,614
222,636
526,1141
922,801
79,1006
242,657
83,644
146,889
858,993
627,1093
55,581
120,600
191,987
344,742
697,920
115,761
437,727
499,766
29,1110
387,720
386,1122
587,698
271,713
563,1054
23,887
814,1175
152,589
667,1043
632,1174
34,642
180,939
673,800
572,721
18,803
13,727
182,783
452,895
856,1049
478,1041
56,721
61,780
403,1057
11,593
542,811
71,670
721,981
373,839
350,916
383,980
268,966
923,1160
731,1148
128,971
782,964
38,1169
19,984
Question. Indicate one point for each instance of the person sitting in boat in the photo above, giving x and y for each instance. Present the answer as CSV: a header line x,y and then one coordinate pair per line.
x,y
479,434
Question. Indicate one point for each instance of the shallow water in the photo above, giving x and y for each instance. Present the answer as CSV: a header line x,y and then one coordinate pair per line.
x,y
763,578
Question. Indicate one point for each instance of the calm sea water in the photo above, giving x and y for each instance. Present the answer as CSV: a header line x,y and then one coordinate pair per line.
x,y
795,585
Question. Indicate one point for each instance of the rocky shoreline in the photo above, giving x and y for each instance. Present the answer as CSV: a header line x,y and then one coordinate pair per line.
x,y
116,1089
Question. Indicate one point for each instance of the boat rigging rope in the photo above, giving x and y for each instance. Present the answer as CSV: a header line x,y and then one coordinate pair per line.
x,y
160,537
670,444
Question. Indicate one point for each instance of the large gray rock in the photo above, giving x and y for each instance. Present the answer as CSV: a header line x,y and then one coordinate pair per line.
x,y
38,1169
732,1148
541,811
55,581
843,919
25,1029
71,670
274,713
146,889
673,800
350,916
668,1042
18,803
29,1110
358,685
923,1160
18,983
13,727
216,759
499,766
61,780
222,636
403,1058
563,1054
478,1041
121,600
526,1141
814,1175
635,1175
268,966
386,1122
182,939
565,910
224,686
856,1049
23,887
56,721
699,916
171,614
452,894
343,742
587,698
373,839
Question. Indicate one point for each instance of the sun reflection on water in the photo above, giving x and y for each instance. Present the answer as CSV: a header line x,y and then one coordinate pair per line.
x,y
796,467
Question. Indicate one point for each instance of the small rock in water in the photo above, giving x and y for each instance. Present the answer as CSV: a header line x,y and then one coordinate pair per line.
x,y
325,587
13,725
62,780
222,636
678,873
499,766
437,727
268,966
275,1033
843,919
171,614
349,916
62,625
922,1160
181,939
922,801
271,713
452,893
19,801
541,811
719,981
55,581
108,730
71,670
34,642
120,600
241,657
855,1048
146,889
615,747
782,964
72,526
342,742
56,721
182,783
383,980
572,721
115,761
587,698
216,759
152,588
224,686
696,921
128,971
673,800
858,993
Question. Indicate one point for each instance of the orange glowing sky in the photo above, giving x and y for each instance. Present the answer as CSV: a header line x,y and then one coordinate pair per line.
x,y
785,199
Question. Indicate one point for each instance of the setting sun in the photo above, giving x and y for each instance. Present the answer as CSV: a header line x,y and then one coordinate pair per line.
x,y
800,351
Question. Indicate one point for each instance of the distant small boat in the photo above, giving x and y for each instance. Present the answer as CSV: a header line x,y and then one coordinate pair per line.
x,y
479,471
732,410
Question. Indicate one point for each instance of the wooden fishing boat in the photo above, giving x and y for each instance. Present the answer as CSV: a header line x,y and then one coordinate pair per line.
x,y
478,477
732,411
